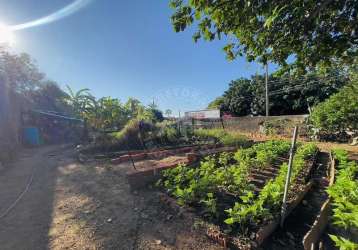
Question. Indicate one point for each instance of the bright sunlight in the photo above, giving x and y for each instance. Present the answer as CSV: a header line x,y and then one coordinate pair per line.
x,y
6,35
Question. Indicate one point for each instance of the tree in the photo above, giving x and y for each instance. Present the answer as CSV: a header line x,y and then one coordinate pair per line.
x,y
288,94
22,77
49,96
20,72
109,114
82,101
238,98
217,103
313,31
168,112
132,105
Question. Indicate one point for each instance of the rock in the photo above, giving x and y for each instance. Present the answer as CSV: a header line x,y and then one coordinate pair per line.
x,y
169,216
109,220
304,202
136,209
87,212
135,192
158,242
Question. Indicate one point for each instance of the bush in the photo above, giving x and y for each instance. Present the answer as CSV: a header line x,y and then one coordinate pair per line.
x,y
167,133
339,113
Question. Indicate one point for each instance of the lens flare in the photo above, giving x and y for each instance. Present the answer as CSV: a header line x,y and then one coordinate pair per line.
x,y
6,35
62,13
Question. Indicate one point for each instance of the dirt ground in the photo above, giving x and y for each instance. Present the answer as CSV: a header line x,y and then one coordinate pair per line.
x,y
84,206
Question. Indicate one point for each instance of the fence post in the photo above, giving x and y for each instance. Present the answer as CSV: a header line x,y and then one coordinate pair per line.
x,y
288,176
222,123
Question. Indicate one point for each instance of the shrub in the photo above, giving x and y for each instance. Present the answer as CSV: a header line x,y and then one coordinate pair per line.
x,y
166,133
132,135
339,113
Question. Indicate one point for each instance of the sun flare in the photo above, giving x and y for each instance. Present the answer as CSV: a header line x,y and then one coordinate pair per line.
x,y
6,35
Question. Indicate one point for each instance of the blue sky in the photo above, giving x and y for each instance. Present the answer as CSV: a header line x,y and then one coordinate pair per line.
x,y
123,49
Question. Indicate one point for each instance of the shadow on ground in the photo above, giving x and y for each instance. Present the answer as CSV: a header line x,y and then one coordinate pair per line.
x,y
26,226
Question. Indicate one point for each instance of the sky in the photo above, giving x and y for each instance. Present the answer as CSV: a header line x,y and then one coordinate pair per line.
x,y
125,48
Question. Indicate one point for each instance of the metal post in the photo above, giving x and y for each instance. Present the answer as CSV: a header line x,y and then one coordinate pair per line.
x,y
179,123
288,176
130,155
266,90
222,123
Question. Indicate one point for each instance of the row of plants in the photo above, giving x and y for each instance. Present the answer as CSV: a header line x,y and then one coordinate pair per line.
x,y
344,195
253,210
221,136
206,185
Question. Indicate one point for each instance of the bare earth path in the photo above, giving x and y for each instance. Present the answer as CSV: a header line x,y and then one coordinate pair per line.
x,y
84,206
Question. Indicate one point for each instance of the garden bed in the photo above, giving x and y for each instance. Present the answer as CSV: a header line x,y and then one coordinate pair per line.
x,y
148,171
342,231
239,196
160,153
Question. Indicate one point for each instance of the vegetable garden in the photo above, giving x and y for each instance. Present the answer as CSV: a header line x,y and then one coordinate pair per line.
x,y
241,192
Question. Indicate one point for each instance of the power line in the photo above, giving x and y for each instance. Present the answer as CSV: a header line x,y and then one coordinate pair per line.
x,y
307,78
282,83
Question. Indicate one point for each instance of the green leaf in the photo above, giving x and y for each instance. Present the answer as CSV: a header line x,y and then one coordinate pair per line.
x,y
229,221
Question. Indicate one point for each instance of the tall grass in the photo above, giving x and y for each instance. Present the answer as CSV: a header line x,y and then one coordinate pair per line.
x,y
222,137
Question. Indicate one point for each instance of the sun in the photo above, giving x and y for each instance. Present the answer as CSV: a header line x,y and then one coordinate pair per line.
x,y
6,35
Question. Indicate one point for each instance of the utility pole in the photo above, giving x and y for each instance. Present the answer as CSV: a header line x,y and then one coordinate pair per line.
x,y
266,88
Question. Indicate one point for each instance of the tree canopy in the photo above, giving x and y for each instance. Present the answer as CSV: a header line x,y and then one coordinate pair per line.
x,y
20,74
315,32
288,95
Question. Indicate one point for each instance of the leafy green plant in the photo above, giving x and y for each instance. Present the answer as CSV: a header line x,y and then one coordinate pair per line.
x,y
224,172
267,204
344,195
343,243
210,204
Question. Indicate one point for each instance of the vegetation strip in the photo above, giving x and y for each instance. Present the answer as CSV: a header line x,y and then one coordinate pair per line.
x,y
344,196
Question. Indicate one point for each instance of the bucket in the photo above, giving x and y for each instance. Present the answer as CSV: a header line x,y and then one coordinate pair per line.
x,y
32,136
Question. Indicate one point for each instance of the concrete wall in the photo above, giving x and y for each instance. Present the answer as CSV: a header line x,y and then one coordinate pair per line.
x,y
251,124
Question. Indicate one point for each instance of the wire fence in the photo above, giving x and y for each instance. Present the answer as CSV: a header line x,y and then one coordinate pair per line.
x,y
281,125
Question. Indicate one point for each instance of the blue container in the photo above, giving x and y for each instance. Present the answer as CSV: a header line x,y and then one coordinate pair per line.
x,y
32,136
